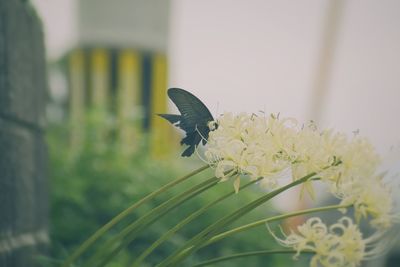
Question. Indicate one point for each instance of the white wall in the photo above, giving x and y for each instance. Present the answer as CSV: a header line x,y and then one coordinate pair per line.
x,y
59,24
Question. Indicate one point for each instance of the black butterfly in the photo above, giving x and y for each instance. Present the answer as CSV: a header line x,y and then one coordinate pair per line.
x,y
194,118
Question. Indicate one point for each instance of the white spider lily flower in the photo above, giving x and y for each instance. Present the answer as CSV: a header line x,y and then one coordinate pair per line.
x,y
341,244
250,145
371,198
316,150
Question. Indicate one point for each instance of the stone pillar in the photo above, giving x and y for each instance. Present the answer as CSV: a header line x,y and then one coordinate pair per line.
x,y
23,162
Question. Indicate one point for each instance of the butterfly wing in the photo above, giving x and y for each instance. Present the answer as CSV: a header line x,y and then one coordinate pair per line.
x,y
192,140
193,120
194,113
172,118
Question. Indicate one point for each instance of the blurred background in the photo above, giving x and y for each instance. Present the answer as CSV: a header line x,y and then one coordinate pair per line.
x,y
110,63
332,61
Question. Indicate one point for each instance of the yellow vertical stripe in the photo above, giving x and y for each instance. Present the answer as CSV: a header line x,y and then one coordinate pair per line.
x,y
77,98
99,93
160,132
128,99
100,78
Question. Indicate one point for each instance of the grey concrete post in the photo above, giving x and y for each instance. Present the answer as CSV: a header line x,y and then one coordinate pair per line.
x,y
23,163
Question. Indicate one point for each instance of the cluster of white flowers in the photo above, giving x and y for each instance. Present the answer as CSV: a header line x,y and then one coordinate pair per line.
x,y
251,145
260,146
341,244
263,146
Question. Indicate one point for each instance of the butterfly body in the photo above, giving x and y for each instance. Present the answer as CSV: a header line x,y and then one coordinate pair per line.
x,y
194,118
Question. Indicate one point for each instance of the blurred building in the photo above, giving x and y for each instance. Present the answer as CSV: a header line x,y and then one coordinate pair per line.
x,y
118,66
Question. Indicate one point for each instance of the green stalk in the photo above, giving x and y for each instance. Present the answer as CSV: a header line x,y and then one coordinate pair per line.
x,y
195,243
143,222
271,219
249,254
93,238
181,224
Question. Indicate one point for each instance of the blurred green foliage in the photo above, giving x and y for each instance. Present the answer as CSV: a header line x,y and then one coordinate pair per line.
x,y
91,186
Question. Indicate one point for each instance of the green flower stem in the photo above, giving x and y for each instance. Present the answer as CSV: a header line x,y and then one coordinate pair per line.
x,y
93,238
196,242
249,254
181,224
271,219
129,233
